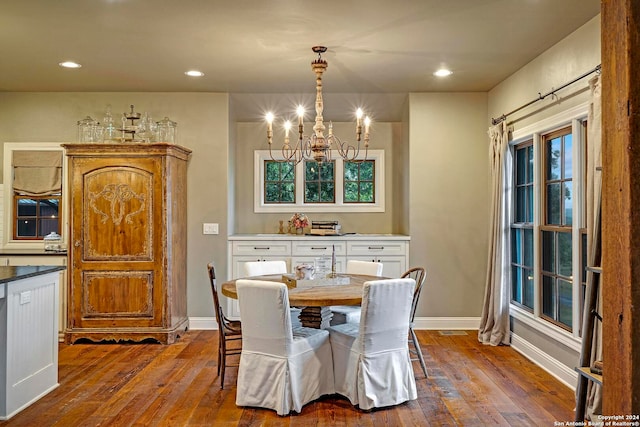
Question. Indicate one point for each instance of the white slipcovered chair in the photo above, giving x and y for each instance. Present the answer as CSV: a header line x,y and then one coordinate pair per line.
x,y
351,313
371,360
261,268
280,368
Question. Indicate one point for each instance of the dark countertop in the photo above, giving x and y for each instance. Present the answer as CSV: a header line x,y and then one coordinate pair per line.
x,y
9,274
31,252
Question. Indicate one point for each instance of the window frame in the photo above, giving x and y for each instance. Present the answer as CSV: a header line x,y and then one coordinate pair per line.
x,y
259,206
6,195
576,118
37,217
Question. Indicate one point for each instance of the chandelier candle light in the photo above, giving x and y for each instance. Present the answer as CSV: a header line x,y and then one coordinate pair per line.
x,y
318,146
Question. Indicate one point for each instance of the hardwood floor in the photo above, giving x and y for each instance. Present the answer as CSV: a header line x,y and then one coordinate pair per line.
x,y
176,385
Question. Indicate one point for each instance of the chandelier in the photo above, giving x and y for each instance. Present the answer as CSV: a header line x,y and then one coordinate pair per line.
x,y
317,146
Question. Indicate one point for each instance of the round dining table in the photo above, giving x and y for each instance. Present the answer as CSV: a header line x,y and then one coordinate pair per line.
x,y
314,300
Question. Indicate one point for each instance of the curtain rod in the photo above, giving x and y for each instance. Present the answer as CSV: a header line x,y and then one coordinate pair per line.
x,y
540,97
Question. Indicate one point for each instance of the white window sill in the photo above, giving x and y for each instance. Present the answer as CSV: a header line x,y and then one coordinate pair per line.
x,y
545,328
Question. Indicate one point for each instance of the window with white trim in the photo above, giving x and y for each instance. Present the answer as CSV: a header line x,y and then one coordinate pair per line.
x,y
547,228
335,186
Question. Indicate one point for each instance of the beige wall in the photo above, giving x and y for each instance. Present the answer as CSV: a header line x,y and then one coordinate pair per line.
x,y
202,127
448,202
574,55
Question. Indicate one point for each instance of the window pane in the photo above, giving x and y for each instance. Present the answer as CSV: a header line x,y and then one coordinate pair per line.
x,y
366,170
548,251
326,192
516,246
311,192
350,191
521,201
527,292
568,157
565,298
530,167
350,171
27,207
528,247
326,171
288,171
366,191
516,284
288,194
47,226
521,166
564,254
553,204
49,208
553,158
568,207
311,171
271,171
529,216
26,228
548,296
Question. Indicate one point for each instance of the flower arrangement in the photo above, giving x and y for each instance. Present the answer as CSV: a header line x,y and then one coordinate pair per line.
x,y
299,220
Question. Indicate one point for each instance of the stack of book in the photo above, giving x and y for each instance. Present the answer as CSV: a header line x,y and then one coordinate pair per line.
x,y
325,228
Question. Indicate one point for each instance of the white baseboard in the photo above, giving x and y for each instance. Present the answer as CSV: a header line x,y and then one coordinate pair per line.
x,y
434,323
446,323
203,323
559,370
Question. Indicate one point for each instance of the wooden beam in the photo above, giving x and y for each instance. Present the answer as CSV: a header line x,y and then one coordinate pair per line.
x,y
621,206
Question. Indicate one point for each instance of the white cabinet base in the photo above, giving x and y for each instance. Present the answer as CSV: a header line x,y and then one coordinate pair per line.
x,y
391,250
29,338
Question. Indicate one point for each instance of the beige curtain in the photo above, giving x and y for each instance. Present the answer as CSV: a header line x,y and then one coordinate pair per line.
x,y
594,189
494,323
37,173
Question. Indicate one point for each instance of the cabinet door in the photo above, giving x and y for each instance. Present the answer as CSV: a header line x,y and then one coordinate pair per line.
x,y
392,266
117,242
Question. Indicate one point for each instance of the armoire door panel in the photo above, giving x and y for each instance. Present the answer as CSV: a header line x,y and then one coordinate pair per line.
x,y
109,294
117,215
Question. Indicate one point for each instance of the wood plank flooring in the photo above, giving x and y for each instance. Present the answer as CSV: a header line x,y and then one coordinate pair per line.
x,y
469,384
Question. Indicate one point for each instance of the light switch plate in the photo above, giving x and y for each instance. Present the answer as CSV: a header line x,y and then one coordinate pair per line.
x,y
209,228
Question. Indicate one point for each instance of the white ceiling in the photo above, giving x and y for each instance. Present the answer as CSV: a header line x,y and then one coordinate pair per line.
x,y
258,47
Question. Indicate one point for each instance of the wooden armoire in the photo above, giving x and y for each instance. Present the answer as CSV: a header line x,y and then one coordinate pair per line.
x,y
127,242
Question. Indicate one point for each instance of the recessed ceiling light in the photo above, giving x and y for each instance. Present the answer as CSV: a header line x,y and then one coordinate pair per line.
x,y
194,73
443,72
70,64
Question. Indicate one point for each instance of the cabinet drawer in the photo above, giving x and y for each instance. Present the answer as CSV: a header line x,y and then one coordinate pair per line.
x,y
267,248
311,248
376,248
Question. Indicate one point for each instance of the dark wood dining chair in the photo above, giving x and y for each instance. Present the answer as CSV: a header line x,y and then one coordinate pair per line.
x,y
229,331
418,274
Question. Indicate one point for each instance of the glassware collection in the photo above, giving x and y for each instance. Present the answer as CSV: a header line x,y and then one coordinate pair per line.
x,y
133,127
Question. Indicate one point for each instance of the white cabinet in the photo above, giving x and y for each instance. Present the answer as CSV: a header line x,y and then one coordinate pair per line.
x,y
35,260
29,346
391,250
392,254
